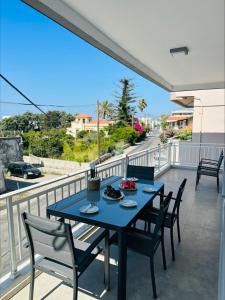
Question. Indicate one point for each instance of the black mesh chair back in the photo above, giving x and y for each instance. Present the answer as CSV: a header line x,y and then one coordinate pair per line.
x,y
51,239
162,214
178,198
140,172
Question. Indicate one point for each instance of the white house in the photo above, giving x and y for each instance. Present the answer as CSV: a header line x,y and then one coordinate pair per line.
x,y
85,122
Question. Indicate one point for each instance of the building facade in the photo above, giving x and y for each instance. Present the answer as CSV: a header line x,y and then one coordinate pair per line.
x,y
85,122
209,113
180,119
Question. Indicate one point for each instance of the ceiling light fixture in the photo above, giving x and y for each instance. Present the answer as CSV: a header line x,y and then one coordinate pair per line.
x,y
180,50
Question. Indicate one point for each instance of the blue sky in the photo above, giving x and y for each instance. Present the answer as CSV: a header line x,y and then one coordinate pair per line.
x,y
53,66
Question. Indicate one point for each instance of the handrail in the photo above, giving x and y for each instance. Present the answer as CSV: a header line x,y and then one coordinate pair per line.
x,y
44,183
144,151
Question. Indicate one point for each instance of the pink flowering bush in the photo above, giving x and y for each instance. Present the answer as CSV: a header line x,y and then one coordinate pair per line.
x,y
138,127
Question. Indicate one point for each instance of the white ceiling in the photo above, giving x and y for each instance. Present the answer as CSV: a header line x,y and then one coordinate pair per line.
x,y
140,33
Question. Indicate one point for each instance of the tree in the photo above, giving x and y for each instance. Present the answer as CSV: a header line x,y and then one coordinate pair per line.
x,y
142,104
124,98
105,109
52,119
163,122
163,125
66,119
35,122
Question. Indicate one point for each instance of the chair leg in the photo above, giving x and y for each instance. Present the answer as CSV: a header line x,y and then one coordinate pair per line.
x,y
178,228
149,227
163,253
218,183
197,181
153,276
75,292
32,275
145,227
172,243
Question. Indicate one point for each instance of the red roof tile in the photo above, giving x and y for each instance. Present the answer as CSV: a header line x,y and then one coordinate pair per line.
x,y
83,116
177,118
101,121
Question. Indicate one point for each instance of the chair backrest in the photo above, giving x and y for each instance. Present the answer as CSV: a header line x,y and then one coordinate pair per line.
x,y
51,239
162,214
220,159
179,197
140,172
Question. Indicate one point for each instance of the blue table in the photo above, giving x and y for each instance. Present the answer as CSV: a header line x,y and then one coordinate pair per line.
x,y
111,215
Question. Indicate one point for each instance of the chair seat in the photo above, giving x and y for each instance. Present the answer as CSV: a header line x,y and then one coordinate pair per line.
x,y
54,268
151,215
142,242
139,241
84,258
207,172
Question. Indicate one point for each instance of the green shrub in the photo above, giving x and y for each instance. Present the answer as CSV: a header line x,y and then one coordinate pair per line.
x,y
126,134
81,134
163,138
184,135
170,133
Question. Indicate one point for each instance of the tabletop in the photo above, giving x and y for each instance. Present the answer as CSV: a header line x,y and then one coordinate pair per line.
x,y
111,214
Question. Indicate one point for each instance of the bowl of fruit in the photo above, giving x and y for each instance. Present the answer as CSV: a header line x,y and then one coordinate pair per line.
x,y
112,194
128,185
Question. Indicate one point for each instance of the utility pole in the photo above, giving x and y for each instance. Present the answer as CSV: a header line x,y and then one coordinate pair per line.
x,y
98,134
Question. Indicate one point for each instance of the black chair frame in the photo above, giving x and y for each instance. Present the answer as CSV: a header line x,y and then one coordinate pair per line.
x,y
150,214
209,167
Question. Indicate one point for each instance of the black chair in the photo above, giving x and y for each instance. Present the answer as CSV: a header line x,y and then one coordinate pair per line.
x,y
147,243
150,215
59,254
140,172
209,167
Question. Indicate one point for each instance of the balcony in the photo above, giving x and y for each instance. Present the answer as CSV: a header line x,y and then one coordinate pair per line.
x,y
198,267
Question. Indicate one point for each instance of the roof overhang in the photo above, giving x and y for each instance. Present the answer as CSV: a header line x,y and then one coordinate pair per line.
x,y
185,101
140,34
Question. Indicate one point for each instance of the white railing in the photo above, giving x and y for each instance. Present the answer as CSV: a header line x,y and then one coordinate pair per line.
x,y
36,198
188,154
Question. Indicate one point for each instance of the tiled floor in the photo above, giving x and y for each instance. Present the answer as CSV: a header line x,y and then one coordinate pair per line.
x,y
193,276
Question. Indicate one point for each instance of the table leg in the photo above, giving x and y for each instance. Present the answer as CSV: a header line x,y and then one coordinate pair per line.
x,y
107,262
161,195
122,265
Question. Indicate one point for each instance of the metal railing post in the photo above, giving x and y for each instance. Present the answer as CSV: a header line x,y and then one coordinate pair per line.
x,y
123,166
12,241
174,153
126,162
159,156
86,177
169,153
147,158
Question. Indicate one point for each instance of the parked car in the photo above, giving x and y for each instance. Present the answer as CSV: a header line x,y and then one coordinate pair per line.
x,y
23,169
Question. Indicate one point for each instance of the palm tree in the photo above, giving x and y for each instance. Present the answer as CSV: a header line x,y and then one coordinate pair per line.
x,y
142,104
105,109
